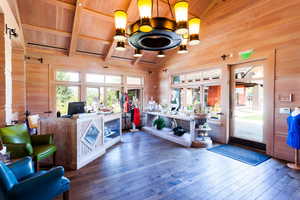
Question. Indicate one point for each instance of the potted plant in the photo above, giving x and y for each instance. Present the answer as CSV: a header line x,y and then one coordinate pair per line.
x,y
159,123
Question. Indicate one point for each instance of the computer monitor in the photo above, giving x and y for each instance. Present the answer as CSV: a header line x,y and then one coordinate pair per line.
x,y
76,108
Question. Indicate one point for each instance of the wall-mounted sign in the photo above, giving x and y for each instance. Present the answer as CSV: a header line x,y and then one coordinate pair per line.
x,y
244,55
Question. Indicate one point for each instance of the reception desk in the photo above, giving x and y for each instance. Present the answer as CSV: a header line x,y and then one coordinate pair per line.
x,y
82,138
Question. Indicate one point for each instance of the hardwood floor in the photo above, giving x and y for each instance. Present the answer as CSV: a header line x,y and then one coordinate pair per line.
x,y
144,167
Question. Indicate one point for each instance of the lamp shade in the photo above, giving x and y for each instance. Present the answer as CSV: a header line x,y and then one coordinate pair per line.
x,y
194,30
181,15
120,46
161,54
120,24
137,53
145,10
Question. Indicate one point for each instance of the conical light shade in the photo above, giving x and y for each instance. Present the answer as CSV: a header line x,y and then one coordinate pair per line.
x,y
194,30
181,15
120,24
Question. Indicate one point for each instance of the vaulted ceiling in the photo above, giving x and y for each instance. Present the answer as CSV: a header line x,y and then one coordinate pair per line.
x,y
87,26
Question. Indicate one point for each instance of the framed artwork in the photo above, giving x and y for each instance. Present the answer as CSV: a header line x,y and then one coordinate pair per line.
x,y
91,135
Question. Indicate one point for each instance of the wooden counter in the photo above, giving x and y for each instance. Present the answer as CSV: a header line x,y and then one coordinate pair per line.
x,y
82,138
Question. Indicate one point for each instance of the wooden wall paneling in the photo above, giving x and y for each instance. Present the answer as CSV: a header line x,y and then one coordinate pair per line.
x,y
19,83
37,88
287,82
2,71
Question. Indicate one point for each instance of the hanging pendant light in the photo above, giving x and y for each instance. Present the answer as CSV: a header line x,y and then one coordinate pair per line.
x,y
120,46
181,15
161,54
145,9
137,53
183,45
194,30
120,24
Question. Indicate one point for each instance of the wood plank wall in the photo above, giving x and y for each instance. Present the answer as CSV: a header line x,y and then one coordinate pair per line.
x,y
2,71
18,83
263,25
40,77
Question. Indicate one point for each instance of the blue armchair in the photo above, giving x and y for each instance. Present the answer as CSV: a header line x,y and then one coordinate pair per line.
x,y
19,181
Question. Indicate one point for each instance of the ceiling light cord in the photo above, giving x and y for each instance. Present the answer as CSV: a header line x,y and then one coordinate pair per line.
x,y
157,10
171,9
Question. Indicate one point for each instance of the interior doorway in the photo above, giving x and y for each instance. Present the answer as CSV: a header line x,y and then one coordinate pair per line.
x,y
247,103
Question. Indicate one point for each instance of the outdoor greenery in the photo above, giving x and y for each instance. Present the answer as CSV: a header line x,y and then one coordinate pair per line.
x,y
64,95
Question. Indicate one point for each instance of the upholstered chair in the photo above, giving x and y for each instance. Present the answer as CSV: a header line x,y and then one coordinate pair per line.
x,y
20,143
19,181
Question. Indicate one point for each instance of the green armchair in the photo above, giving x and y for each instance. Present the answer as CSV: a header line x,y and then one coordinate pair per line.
x,y
20,143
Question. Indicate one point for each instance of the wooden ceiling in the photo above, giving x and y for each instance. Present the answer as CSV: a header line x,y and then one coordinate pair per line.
x,y
87,26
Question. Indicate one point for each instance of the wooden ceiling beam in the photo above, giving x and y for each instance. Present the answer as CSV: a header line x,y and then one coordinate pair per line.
x,y
75,29
63,33
136,61
47,30
209,7
86,37
110,51
61,4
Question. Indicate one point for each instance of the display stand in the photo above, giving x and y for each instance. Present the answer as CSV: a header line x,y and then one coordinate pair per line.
x,y
295,165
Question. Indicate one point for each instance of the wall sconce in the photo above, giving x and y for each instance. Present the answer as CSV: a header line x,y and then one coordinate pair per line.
x,y
10,31
150,72
165,70
225,56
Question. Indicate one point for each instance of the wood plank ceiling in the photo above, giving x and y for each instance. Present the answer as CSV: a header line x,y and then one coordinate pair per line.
x,y
87,26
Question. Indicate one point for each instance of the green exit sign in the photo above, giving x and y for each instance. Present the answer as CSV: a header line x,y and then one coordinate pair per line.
x,y
244,55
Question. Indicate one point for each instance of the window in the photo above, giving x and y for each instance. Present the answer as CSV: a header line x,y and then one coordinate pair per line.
x,y
94,78
67,76
94,98
134,80
113,96
178,79
212,74
212,100
113,79
64,95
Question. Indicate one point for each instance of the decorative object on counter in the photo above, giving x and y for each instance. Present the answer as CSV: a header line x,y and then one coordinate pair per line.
x,y
91,135
204,140
159,123
293,139
179,131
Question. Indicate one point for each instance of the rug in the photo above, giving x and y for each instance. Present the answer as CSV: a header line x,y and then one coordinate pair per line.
x,y
243,155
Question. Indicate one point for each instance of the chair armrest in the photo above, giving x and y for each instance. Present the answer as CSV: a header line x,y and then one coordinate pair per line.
x,y
34,183
18,150
42,139
22,168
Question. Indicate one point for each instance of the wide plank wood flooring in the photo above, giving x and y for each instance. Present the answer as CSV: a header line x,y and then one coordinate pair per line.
x,y
145,167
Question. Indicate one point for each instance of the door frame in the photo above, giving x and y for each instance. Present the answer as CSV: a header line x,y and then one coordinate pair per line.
x,y
232,97
269,57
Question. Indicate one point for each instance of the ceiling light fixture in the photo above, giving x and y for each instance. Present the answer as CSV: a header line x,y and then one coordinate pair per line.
x,y
161,54
181,13
194,30
137,53
157,33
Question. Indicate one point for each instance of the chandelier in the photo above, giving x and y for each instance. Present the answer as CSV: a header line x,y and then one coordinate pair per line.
x,y
157,33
